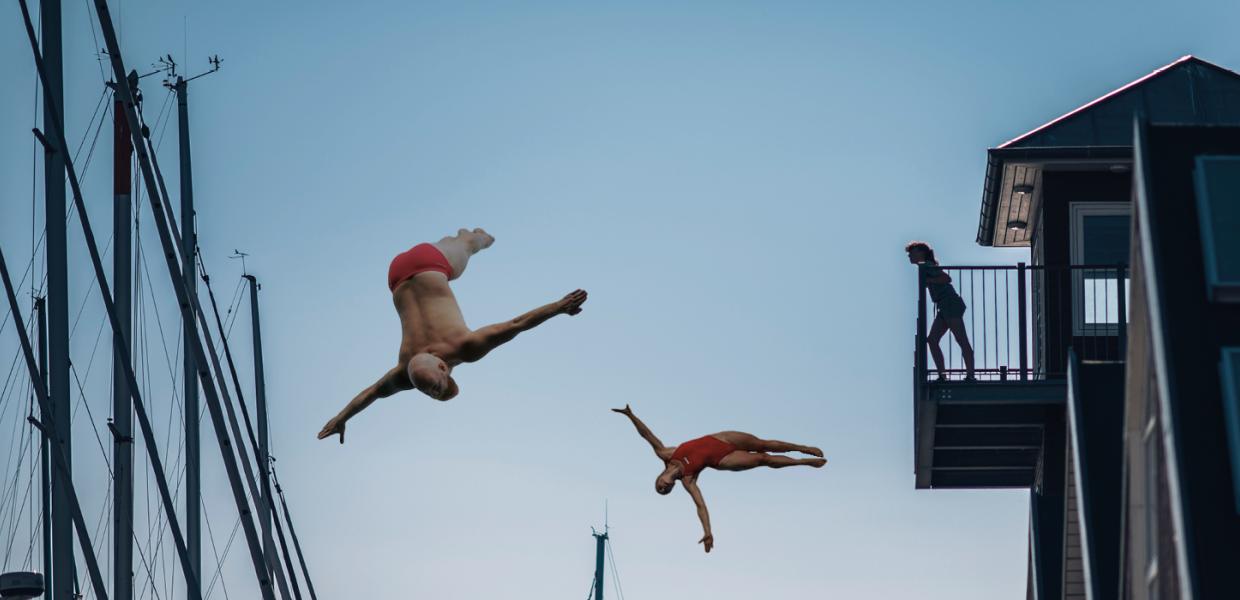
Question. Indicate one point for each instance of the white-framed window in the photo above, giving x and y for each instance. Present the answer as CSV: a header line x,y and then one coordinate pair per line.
x,y
1100,239
1217,180
1229,369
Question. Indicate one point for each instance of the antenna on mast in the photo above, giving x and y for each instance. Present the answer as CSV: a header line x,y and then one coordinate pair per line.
x,y
163,64
239,254
169,66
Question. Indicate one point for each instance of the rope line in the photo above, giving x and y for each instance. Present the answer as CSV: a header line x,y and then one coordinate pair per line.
x,y
615,573
219,560
23,447
16,509
301,558
218,573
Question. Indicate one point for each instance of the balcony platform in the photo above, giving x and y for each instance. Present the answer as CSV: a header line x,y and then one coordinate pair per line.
x,y
983,434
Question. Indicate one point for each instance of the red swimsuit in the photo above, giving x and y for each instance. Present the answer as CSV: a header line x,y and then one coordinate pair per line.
x,y
418,259
703,452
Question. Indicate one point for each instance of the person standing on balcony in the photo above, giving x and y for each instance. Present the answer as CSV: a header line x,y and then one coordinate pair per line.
x,y
950,313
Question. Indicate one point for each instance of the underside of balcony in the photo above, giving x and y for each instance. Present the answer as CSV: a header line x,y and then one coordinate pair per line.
x,y
983,434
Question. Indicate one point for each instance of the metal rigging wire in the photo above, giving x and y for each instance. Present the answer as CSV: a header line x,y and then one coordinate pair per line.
x,y
27,452
4,399
233,313
91,26
15,509
155,543
288,518
230,318
219,559
179,469
21,447
615,573
4,396
102,523
35,244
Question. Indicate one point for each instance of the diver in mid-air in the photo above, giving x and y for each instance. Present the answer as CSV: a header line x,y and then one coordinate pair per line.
x,y
434,336
725,451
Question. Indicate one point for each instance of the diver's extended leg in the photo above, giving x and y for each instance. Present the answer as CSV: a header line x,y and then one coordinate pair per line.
x,y
460,247
753,443
743,461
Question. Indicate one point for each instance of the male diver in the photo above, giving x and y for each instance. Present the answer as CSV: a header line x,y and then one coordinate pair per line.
x,y
434,336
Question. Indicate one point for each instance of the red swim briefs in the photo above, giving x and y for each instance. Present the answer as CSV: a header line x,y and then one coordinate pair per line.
x,y
418,259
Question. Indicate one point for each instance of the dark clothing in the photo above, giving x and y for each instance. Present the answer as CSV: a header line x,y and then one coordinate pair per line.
x,y
944,296
951,307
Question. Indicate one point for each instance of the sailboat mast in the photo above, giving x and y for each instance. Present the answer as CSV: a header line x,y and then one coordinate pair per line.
x,y
260,396
189,246
57,298
45,464
600,542
122,407
48,428
189,307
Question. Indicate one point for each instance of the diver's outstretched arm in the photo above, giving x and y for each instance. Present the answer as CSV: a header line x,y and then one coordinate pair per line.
x,y
690,485
644,431
488,338
395,380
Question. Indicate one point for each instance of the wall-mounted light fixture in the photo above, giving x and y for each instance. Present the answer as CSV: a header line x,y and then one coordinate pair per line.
x,y
1017,225
1023,188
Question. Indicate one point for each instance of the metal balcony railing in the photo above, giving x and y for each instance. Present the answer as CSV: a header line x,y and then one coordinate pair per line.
x,y
1021,320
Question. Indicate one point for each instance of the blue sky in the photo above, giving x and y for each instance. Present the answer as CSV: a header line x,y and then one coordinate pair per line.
x,y
732,182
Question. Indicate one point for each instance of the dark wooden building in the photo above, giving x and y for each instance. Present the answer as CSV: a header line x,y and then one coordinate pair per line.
x,y
1181,530
1102,375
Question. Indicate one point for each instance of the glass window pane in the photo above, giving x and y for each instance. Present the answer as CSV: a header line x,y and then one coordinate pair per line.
x,y
1231,411
1106,239
1100,237
1218,205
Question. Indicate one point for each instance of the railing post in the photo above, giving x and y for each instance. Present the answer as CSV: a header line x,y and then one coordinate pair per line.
x,y
1022,321
920,356
1121,308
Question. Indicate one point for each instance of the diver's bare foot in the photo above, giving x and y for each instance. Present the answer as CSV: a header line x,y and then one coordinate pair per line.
x,y
817,463
487,239
812,451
